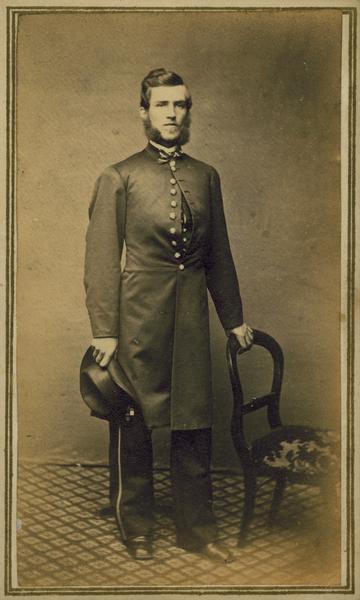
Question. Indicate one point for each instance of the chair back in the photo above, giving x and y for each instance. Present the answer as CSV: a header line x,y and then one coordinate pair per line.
x,y
270,400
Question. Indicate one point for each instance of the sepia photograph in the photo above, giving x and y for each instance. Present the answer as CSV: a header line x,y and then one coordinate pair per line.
x,y
180,272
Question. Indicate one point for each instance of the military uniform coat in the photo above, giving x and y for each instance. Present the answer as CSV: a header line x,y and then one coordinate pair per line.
x,y
157,304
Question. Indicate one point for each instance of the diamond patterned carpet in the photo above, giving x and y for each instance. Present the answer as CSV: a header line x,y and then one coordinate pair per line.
x,y
61,542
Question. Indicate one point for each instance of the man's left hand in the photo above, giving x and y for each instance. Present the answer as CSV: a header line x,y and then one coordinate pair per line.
x,y
244,335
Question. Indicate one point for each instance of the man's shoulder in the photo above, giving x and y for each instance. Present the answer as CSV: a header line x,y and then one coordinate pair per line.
x,y
120,169
131,161
123,168
200,165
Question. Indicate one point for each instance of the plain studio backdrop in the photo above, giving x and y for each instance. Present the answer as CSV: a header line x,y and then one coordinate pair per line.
x,y
266,114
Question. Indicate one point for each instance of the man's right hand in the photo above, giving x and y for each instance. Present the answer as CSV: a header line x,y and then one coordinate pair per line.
x,y
104,349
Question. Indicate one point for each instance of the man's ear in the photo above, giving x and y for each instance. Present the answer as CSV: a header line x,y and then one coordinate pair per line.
x,y
143,113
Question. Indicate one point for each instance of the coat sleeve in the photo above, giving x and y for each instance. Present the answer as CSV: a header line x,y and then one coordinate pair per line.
x,y
104,243
221,277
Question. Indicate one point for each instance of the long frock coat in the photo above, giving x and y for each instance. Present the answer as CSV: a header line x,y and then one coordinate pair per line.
x,y
157,303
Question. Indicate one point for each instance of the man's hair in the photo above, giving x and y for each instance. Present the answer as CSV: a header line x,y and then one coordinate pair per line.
x,y
156,78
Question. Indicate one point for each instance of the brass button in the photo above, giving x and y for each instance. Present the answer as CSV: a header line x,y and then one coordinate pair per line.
x,y
173,168
184,229
173,203
184,239
173,191
172,181
174,242
181,267
177,254
172,215
172,230
172,163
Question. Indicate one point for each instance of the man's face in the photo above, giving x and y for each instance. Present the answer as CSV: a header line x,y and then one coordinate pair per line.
x,y
167,112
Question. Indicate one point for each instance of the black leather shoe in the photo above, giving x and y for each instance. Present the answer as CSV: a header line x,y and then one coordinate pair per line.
x,y
216,552
140,548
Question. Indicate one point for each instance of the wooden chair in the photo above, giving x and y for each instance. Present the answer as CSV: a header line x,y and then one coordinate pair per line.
x,y
287,453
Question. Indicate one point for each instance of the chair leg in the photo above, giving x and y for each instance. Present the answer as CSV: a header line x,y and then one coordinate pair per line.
x,y
278,495
249,505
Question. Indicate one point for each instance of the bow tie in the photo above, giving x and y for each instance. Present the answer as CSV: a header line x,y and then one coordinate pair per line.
x,y
167,156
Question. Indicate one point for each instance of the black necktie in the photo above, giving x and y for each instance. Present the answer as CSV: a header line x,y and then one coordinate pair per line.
x,y
167,156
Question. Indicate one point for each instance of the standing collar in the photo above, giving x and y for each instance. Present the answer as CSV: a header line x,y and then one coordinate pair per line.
x,y
165,148
154,150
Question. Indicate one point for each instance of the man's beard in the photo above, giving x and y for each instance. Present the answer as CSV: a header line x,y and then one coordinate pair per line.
x,y
154,134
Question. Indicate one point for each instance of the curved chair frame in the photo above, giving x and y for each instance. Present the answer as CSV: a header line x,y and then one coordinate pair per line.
x,y
241,408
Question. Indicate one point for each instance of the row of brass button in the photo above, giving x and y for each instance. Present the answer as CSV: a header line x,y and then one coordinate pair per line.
x,y
172,215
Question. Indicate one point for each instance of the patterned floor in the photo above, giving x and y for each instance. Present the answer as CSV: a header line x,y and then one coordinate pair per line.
x,y
62,542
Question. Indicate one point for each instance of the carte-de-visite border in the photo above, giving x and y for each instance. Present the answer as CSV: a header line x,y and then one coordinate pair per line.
x,y
13,14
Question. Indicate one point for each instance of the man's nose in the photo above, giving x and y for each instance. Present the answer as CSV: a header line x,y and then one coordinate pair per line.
x,y
171,112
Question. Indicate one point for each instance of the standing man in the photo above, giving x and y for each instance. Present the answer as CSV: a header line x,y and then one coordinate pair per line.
x,y
153,315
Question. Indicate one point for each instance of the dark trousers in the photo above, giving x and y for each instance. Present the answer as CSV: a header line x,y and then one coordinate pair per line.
x,y
131,482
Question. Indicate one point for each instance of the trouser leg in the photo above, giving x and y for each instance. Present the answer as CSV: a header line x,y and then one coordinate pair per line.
x,y
113,461
131,476
191,488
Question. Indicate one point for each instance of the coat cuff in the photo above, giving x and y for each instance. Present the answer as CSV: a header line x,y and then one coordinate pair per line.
x,y
104,324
